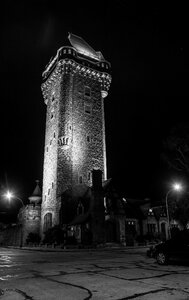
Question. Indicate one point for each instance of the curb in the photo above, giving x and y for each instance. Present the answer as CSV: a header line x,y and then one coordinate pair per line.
x,y
76,249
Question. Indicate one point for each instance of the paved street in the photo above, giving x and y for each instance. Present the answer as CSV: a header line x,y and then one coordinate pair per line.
x,y
86,274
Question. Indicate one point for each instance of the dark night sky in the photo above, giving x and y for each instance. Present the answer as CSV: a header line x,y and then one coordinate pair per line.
x,y
148,47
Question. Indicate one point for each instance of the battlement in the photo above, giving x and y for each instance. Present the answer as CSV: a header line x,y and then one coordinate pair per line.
x,y
80,52
69,53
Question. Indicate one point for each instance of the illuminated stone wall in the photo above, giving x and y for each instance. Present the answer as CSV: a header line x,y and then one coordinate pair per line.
x,y
49,203
31,222
30,217
75,133
88,134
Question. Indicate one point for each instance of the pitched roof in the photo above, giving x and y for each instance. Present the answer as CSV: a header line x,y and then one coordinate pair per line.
x,y
36,195
83,47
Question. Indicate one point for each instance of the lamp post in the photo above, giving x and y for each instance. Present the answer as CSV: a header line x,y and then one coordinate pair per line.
x,y
9,195
175,187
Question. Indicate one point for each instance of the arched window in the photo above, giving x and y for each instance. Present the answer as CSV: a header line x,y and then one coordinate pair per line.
x,y
47,222
80,209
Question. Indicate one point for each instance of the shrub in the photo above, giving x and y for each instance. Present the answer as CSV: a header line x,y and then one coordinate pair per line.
x,y
33,238
54,235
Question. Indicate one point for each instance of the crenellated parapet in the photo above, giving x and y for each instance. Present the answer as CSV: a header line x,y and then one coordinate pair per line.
x,y
69,66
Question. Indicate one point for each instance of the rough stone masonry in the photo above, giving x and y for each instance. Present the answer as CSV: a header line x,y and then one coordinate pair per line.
x,y
74,86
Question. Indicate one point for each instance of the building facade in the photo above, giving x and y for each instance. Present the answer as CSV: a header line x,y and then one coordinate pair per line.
x,y
28,222
29,216
75,83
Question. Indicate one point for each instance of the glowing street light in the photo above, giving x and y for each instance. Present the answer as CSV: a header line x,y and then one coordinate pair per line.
x,y
9,196
175,187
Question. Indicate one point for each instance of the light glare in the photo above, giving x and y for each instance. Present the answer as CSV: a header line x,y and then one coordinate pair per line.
x,y
177,186
8,195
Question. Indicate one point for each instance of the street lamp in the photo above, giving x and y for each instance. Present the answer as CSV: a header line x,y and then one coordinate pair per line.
x,y
9,195
175,187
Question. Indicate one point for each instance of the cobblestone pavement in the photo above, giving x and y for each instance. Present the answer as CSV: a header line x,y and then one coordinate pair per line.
x,y
89,274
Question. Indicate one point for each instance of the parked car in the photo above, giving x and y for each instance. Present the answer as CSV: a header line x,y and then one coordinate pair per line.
x,y
176,248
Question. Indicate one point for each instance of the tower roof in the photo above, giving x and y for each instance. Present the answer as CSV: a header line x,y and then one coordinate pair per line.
x,y
84,48
36,195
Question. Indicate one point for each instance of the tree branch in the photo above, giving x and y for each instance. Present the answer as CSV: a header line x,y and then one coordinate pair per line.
x,y
181,153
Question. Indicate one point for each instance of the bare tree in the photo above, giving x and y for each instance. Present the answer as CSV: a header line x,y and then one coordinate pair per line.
x,y
176,155
181,211
176,148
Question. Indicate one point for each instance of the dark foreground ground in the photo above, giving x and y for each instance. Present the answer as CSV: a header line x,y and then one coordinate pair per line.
x,y
89,274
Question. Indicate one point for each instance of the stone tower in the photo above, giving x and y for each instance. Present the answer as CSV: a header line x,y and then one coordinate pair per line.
x,y
75,83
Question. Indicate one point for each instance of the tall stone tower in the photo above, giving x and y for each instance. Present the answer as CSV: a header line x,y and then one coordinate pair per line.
x,y
75,83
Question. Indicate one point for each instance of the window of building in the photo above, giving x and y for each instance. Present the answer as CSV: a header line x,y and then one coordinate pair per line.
x,y
88,108
52,115
54,135
151,227
47,149
69,51
88,138
80,179
130,227
89,175
47,222
49,191
52,185
52,98
80,209
87,91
